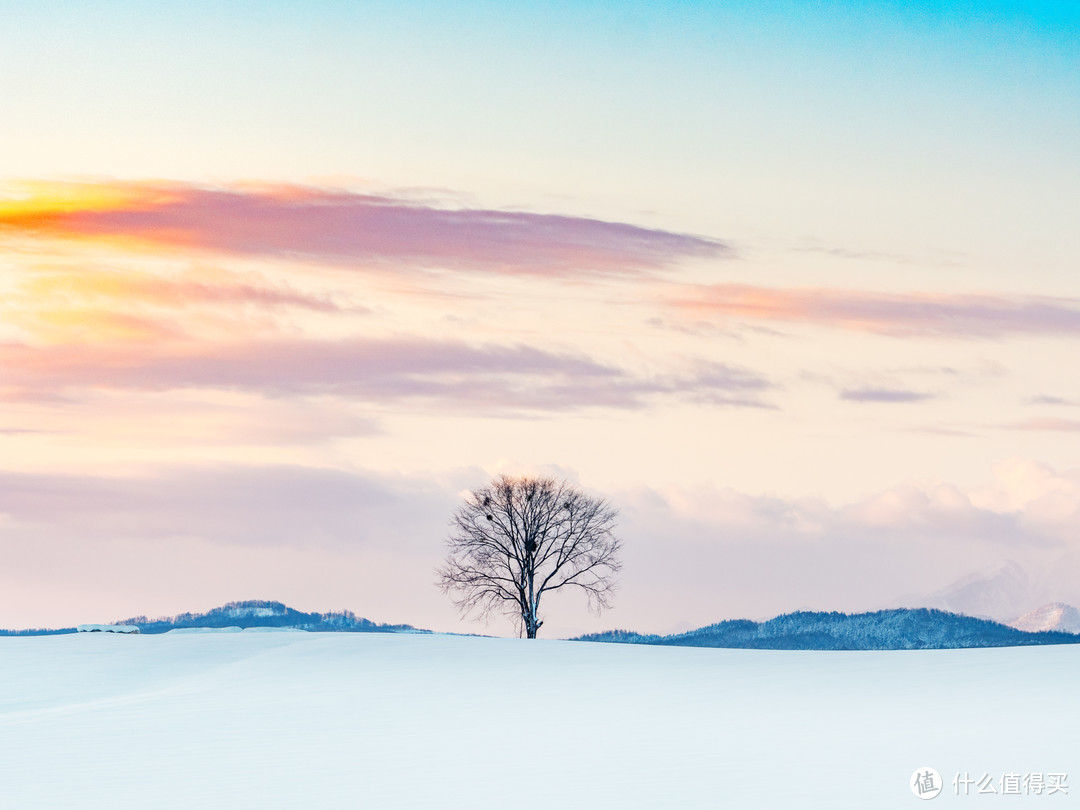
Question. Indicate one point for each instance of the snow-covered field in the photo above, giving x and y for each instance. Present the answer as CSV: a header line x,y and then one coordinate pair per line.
x,y
294,720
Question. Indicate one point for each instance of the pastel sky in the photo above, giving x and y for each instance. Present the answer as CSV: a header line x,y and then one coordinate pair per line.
x,y
796,286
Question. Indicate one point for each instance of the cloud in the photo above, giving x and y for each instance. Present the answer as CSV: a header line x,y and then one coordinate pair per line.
x,y
1049,400
363,538
343,227
97,548
883,395
1058,425
132,288
893,314
261,506
716,548
90,304
444,374
716,384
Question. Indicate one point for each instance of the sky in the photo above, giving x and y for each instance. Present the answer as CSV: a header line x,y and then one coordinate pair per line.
x,y
792,285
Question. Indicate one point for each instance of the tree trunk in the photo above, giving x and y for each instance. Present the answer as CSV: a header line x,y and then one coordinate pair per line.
x,y
531,624
531,621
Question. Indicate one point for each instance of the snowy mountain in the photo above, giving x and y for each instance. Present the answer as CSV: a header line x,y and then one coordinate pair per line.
x,y
1000,592
900,629
1055,616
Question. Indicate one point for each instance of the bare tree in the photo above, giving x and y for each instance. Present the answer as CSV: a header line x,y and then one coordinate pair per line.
x,y
519,538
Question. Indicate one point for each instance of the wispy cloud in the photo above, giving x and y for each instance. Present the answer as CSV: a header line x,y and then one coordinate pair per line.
x,y
142,288
883,395
852,555
1050,424
222,503
59,303
443,374
902,315
341,226
718,384
1050,400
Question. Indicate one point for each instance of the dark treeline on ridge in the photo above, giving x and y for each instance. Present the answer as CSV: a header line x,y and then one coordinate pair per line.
x,y
899,629
251,613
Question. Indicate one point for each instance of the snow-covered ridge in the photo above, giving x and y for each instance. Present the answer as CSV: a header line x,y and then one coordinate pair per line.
x,y
1055,616
898,629
253,614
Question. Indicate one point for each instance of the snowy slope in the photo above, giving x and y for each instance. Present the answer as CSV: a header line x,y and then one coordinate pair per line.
x,y
314,720
1055,616
1000,592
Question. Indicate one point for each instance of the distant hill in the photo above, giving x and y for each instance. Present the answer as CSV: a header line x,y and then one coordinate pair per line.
x,y
39,631
1055,616
899,629
255,613
1000,592
250,614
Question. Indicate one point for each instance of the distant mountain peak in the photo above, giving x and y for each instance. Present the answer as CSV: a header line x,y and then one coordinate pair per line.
x,y
1054,616
999,592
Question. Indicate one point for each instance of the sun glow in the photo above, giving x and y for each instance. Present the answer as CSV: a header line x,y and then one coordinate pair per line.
x,y
32,203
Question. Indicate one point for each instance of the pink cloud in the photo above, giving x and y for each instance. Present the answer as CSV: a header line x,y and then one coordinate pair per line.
x,y
444,374
903,315
884,395
340,226
693,555
185,292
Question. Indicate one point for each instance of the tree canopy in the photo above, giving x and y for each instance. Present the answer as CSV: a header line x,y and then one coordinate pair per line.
x,y
519,538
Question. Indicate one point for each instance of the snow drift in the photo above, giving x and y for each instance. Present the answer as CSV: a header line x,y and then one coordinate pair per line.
x,y
347,720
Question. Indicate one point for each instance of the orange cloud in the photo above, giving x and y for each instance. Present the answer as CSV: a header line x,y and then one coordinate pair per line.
x,y
909,314
34,204
344,227
94,305
84,325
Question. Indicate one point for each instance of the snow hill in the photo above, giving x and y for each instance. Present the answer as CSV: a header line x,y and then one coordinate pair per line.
x,y
900,629
391,721
1055,616
247,615
257,613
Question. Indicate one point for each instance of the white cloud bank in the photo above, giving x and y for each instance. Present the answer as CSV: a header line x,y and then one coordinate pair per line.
x,y
82,548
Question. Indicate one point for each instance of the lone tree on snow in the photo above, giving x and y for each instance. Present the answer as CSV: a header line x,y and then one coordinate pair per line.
x,y
518,538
